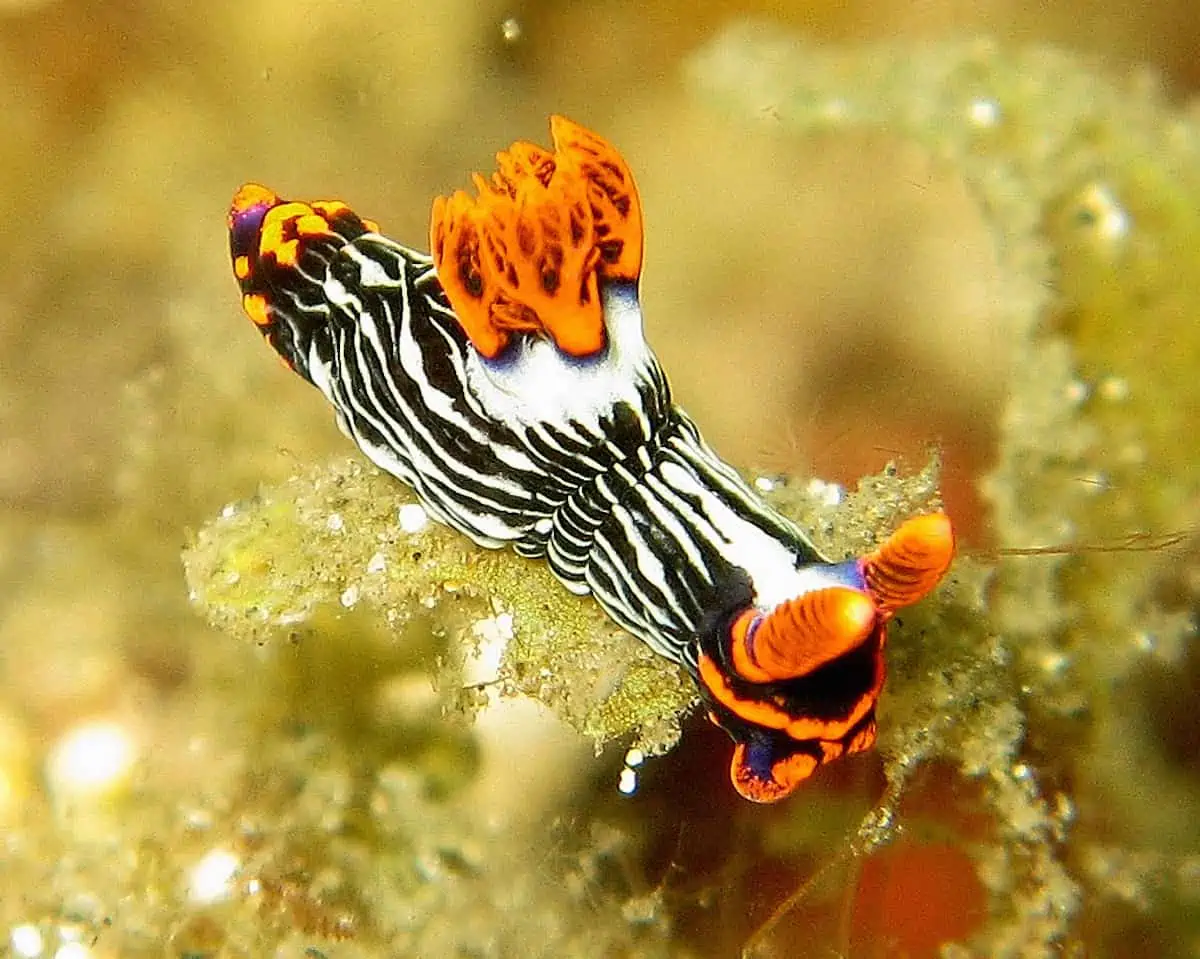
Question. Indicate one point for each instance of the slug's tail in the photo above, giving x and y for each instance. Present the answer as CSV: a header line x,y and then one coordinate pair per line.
x,y
275,245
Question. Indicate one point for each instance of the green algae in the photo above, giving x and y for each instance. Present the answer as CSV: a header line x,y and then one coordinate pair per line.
x,y
300,556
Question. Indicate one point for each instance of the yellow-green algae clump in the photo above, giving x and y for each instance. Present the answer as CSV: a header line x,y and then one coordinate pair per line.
x,y
335,540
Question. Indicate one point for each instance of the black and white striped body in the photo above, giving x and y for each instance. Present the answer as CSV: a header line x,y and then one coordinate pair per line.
x,y
507,379
583,461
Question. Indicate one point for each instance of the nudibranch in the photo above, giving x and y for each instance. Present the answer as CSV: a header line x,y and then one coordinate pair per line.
x,y
507,380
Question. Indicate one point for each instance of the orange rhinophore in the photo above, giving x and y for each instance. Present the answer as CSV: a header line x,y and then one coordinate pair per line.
x,y
911,562
801,635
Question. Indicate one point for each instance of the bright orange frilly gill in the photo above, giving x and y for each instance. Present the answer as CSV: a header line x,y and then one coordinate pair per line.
x,y
530,251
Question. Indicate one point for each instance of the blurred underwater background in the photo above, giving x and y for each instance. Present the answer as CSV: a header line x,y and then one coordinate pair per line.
x,y
872,229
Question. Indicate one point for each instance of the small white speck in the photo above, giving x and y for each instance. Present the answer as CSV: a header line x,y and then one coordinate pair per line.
x,y
984,112
92,759
70,932
543,525
26,940
1144,641
483,664
1100,209
232,577
827,494
412,517
510,29
211,879
72,950
634,758
835,108
1055,663
429,865
764,484
335,523
349,596
377,563
228,510
198,820
627,784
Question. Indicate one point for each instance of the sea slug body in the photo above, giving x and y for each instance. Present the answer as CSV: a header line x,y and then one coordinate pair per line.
x,y
507,379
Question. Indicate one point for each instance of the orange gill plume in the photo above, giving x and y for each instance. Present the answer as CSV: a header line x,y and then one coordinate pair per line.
x,y
612,195
528,254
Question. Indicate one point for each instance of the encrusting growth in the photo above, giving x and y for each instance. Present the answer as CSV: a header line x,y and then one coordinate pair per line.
x,y
507,379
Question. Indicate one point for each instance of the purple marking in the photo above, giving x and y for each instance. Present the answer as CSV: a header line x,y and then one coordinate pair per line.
x,y
245,229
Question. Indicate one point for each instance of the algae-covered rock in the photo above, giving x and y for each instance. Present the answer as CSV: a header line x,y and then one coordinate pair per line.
x,y
347,537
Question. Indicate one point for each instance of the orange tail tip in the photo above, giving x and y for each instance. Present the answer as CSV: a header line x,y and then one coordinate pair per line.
x,y
527,253
767,771
768,786
912,561
800,636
